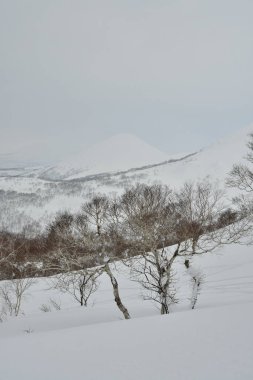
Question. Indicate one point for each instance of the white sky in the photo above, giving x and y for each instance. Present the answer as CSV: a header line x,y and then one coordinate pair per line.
x,y
177,73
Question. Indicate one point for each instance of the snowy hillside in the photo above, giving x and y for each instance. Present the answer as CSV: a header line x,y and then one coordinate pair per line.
x,y
214,341
118,153
124,152
215,161
56,339
109,167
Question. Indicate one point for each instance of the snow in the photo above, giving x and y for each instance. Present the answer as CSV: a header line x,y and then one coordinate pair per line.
x,y
212,342
118,153
194,346
215,161
124,153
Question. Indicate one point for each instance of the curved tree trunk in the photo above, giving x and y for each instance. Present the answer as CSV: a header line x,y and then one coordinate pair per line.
x,y
117,298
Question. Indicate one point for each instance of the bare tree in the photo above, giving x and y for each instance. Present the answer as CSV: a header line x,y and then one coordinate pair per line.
x,y
96,210
9,247
241,176
155,273
79,254
109,243
74,274
70,257
201,206
60,233
79,284
12,293
205,225
116,294
149,220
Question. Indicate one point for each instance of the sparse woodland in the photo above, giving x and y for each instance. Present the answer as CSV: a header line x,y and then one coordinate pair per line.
x,y
147,229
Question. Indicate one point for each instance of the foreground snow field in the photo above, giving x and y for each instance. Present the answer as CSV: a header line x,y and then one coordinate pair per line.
x,y
215,341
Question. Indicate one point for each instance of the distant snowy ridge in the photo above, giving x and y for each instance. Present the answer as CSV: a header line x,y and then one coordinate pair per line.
x,y
126,153
42,192
118,153
215,161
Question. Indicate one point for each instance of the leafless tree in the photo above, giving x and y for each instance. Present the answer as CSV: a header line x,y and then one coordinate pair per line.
x,y
8,251
109,242
60,232
241,176
74,274
155,273
149,220
201,205
95,211
12,293
80,284
116,294
79,254
70,257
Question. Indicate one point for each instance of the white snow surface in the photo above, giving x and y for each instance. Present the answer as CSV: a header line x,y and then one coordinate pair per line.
x,y
212,342
118,153
29,193
215,161
124,152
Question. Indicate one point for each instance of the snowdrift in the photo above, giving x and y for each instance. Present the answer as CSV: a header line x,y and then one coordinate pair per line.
x,y
212,342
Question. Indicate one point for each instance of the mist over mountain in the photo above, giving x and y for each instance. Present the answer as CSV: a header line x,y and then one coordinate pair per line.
x,y
30,155
38,191
118,153
124,153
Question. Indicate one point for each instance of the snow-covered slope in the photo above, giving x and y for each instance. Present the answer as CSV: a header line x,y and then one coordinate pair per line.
x,y
215,161
118,153
214,341
124,152
40,198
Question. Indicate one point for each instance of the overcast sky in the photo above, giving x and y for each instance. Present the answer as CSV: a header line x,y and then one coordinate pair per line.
x,y
176,73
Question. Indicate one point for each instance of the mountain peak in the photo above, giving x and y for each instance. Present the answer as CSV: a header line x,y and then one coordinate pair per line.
x,y
117,153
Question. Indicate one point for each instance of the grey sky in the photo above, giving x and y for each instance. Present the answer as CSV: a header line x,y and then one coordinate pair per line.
x,y
177,73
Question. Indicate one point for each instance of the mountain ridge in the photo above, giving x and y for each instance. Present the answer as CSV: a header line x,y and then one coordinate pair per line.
x,y
118,153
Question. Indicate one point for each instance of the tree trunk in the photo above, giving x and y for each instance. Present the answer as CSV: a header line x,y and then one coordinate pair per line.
x,y
117,298
165,277
194,244
164,305
81,296
195,291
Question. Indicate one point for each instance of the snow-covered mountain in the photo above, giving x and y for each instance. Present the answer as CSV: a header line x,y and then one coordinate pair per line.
x,y
118,153
215,161
108,168
128,154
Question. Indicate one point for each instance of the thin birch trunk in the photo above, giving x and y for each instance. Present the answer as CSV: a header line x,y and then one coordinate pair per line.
x,y
117,298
